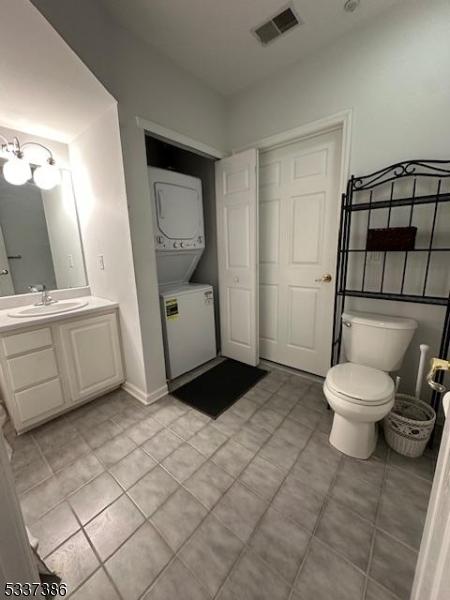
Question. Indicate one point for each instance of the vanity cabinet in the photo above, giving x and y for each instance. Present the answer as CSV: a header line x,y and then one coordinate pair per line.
x,y
91,352
49,369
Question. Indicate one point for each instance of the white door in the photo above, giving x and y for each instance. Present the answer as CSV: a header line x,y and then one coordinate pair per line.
x,y
432,580
6,283
237,248
299,218
92,354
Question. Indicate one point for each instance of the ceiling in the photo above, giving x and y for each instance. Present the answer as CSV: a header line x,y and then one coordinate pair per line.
x,y
211,39
45,88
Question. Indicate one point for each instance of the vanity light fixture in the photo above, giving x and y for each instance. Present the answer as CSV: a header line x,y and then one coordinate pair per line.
x,y
47,176
17,169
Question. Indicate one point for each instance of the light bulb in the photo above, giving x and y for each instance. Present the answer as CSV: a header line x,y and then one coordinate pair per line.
x,y
47,176
17,170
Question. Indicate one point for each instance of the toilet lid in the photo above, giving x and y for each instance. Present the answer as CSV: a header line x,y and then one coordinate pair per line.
x,y
360,383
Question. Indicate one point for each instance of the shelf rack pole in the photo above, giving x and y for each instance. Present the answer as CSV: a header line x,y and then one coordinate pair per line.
x,y
431,238
337,286
409,224
367,233
388,223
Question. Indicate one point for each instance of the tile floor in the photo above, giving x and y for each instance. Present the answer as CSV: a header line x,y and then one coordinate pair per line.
x,y
160,502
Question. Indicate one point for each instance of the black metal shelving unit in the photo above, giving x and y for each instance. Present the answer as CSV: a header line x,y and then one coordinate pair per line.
x,y
379,191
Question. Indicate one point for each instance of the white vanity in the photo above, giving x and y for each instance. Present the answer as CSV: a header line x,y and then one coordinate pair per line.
x,y
53,362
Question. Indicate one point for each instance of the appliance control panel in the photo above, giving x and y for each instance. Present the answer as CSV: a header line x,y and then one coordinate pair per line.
x,y
164,243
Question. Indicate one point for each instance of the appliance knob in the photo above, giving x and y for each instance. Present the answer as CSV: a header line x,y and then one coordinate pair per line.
x,y
176,245
159,239
182,244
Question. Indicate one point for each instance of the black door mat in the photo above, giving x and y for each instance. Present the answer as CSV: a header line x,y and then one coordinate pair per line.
x,y
220,387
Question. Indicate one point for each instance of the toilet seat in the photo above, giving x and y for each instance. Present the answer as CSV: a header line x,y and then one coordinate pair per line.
x,y
360,385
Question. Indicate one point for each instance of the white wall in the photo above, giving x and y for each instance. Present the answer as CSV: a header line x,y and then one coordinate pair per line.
x,y
141,225
98,177
150,86
46,89
394,74
145,83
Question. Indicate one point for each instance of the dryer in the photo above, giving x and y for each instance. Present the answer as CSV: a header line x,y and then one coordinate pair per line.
x,y
177,224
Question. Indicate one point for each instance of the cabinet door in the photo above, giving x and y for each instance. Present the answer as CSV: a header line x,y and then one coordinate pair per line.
x,y
92,356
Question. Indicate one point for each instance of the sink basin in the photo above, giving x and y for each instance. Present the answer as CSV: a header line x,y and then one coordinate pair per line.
x,y
49,309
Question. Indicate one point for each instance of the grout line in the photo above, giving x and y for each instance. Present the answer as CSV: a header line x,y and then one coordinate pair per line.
x,y
316,526
246,545
374,532
210,510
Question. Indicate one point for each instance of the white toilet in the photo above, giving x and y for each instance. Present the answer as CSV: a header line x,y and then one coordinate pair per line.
x,y
361,391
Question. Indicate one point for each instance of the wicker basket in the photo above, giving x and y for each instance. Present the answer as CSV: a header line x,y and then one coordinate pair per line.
x,y
407,428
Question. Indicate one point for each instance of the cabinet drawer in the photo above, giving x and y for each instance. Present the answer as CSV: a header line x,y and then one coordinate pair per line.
x,y
25,342
40,399
30,369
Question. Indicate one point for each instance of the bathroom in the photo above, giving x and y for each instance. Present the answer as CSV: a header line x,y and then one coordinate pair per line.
x,y
128,491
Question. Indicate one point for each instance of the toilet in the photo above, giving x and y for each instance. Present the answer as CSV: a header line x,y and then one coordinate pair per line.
x,y
361,391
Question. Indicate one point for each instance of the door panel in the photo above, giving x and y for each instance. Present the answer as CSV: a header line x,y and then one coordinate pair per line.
x,y
92,355
302,317
237,242
306,242
299,215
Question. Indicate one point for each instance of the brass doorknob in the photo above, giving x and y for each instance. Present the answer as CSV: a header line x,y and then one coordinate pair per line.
x,y
324,279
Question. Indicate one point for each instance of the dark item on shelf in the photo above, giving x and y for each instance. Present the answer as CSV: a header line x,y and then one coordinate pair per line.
x,y
391,239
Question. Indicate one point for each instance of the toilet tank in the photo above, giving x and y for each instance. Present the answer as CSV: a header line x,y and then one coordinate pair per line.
x,y
378,341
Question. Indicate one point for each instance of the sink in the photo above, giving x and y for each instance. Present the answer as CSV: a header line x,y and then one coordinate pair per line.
x,y
49,309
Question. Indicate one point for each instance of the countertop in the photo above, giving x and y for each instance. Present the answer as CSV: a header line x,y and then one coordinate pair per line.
x,y
94,305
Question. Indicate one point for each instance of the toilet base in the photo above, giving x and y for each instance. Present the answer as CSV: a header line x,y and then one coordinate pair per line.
x,y
354,438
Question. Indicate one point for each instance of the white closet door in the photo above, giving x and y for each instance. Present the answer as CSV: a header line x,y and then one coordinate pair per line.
x,y
237,240
299,218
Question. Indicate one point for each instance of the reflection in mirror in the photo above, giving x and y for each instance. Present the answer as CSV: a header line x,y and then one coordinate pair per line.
x,y
39,237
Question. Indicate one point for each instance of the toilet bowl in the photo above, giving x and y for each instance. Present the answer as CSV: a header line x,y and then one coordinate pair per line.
x,y
360,396
361,391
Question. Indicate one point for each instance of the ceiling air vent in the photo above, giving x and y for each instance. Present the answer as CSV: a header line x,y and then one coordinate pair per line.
x,y
277,26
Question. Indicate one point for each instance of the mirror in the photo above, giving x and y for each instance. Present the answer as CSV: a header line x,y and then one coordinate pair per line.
x,y
40,238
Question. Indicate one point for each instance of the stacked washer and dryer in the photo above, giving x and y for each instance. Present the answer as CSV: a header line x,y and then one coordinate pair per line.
x,y
187,309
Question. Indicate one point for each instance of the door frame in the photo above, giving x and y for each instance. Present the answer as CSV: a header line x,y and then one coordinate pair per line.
x,y
179,139
341,120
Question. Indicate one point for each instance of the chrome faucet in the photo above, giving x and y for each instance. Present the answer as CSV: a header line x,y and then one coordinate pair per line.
x,y
45,298
437,364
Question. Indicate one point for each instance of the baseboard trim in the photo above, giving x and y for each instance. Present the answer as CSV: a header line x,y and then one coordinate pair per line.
x,y
142,396
276,366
